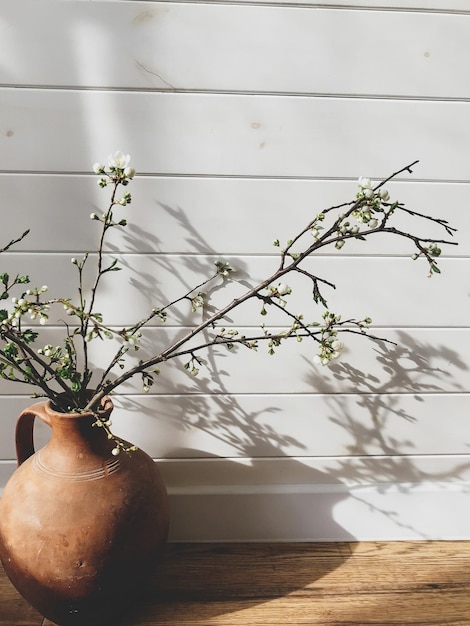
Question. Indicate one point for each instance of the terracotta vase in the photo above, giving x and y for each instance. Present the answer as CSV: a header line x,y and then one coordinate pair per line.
x,y
80,529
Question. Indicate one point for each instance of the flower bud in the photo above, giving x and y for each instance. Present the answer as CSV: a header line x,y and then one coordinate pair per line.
x,y
365,183
283,289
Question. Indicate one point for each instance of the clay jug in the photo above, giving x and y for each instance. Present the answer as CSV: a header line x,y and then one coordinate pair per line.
x,y
80,528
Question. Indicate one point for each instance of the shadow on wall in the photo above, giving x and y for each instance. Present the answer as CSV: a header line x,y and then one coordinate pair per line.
x,y
212,585
380,419
269,469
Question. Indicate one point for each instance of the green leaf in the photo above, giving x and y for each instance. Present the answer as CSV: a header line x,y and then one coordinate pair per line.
x,y
10,350
29,336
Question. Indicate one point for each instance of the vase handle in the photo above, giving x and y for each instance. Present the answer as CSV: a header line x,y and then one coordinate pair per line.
x,y
25,430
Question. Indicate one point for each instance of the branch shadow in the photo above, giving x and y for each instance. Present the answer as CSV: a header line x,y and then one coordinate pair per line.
x,y
420,371
211,412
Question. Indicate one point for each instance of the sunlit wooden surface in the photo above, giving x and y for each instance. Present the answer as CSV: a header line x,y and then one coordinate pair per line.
x,y
426,583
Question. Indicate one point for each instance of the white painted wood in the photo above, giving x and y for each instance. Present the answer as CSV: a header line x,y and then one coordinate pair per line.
x,y
278,108
147,282
436,511
212,215
442,6
306,425
426,360
387,431
217,46
276,475
401,512
233,134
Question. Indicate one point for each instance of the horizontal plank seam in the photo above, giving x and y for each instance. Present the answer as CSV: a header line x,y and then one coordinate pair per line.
x,y
238,177
273,394
281,327
210,255
319,6
246,460
400,8
234,92
405,488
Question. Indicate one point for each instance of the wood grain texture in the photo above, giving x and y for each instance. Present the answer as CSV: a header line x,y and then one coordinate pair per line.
x,y
234,135
224,47
381,584
210,215
151,281
14,610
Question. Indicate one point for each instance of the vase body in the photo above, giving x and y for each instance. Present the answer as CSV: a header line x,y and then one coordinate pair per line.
x,y
80,528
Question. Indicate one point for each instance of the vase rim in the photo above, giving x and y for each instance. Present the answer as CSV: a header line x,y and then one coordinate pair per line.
x,y
105,407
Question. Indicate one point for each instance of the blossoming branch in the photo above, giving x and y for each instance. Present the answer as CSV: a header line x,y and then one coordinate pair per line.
x,y
64,373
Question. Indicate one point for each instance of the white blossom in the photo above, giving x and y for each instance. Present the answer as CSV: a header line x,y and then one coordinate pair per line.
x,y
283,289
119,160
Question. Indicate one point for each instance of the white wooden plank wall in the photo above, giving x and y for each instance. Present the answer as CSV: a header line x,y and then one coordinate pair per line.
x,y
244,119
